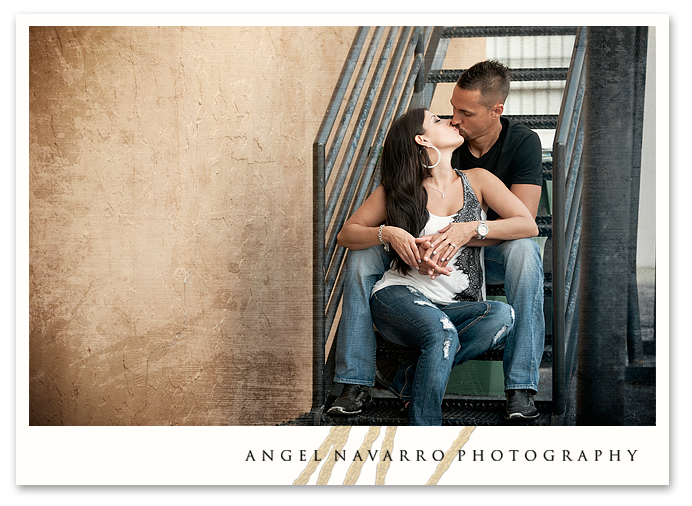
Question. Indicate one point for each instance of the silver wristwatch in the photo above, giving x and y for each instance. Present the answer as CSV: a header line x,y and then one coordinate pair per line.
x,y
481,230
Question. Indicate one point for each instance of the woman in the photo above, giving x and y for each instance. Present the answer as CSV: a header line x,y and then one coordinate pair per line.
x,y
444,317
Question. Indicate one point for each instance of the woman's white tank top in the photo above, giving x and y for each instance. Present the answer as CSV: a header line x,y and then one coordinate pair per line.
x,y
466,282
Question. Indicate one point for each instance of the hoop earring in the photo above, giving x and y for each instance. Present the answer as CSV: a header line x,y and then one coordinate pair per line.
x,y
439,157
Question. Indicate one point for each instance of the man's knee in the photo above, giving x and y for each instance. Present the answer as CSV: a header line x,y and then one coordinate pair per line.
x,y
524,248
523,253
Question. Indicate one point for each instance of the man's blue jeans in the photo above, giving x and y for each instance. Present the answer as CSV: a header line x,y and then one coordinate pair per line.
x,y
519,266
516,263
445,336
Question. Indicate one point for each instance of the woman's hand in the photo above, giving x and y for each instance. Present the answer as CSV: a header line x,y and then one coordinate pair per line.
x,y
403,243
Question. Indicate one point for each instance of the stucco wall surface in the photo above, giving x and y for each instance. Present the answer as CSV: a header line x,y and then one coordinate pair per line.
x,y
171,221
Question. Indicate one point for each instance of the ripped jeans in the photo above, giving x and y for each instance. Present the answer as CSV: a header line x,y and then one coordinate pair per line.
x,y
445,336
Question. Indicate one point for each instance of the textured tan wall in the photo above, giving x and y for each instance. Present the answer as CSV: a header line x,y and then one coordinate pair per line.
x,y
170,221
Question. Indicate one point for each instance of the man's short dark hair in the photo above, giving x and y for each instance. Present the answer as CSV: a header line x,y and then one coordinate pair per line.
x,y
491,78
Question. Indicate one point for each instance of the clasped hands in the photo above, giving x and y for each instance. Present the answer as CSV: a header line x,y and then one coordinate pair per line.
x,y
436,250
431,253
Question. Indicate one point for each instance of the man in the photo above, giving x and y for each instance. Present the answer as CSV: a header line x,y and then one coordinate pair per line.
x,y
512,152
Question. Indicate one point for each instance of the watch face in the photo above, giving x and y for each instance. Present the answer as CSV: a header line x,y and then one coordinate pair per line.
x,y
483,229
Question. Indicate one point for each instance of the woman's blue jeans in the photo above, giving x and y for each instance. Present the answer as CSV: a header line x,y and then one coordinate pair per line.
x,y
517,264
445,336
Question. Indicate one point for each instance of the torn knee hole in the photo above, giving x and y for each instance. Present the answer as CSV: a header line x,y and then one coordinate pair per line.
x,y
424,303
447,325
497,336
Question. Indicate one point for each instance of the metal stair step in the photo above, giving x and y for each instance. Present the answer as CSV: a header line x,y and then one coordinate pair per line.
x,y
455,412
454,32
518,74
642,374
545,226
548,170
537,121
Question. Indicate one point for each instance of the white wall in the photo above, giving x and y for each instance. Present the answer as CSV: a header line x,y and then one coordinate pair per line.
x,y
646,240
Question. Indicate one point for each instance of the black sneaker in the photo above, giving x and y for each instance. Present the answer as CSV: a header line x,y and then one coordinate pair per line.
x,y
520,405
351,400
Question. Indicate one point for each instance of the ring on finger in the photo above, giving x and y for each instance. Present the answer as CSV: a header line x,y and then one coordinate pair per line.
x,y
452,245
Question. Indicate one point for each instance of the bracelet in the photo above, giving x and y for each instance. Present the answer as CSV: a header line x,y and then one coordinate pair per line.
x,y
385,244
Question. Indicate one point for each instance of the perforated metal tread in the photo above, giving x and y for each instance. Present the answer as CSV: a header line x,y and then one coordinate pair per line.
x,y
463,412
506,31
534,74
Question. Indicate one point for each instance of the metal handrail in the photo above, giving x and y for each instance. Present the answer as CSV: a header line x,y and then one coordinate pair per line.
x,y
356,182
567,182
360,122
353,182
318,184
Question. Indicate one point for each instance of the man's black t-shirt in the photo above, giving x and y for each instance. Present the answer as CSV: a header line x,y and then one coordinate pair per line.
x,y
515,158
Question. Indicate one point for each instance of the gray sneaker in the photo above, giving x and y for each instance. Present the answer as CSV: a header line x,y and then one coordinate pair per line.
x,y
520,405
351,401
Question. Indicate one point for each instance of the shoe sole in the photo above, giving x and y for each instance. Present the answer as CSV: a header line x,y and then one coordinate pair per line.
x,y
341,412
519,416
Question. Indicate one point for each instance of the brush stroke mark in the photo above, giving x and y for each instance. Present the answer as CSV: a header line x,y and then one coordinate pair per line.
x,y
354,471
442,467
340,439
336,441
336,434
387,446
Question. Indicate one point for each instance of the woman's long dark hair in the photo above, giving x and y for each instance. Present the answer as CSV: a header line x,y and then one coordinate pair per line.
x,y
402,171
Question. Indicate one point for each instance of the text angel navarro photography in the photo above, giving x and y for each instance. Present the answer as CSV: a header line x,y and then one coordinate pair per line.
x,y
553,455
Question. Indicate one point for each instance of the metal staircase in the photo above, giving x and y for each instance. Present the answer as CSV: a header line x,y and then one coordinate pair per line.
x,y
402,70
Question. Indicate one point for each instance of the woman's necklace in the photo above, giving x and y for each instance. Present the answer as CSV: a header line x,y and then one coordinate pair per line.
x,y
443,190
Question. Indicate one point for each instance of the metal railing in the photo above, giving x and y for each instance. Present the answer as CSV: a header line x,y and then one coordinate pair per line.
x,y
389,67
567,185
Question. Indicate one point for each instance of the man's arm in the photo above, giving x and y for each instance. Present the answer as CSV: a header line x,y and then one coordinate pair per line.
x,y
530,195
